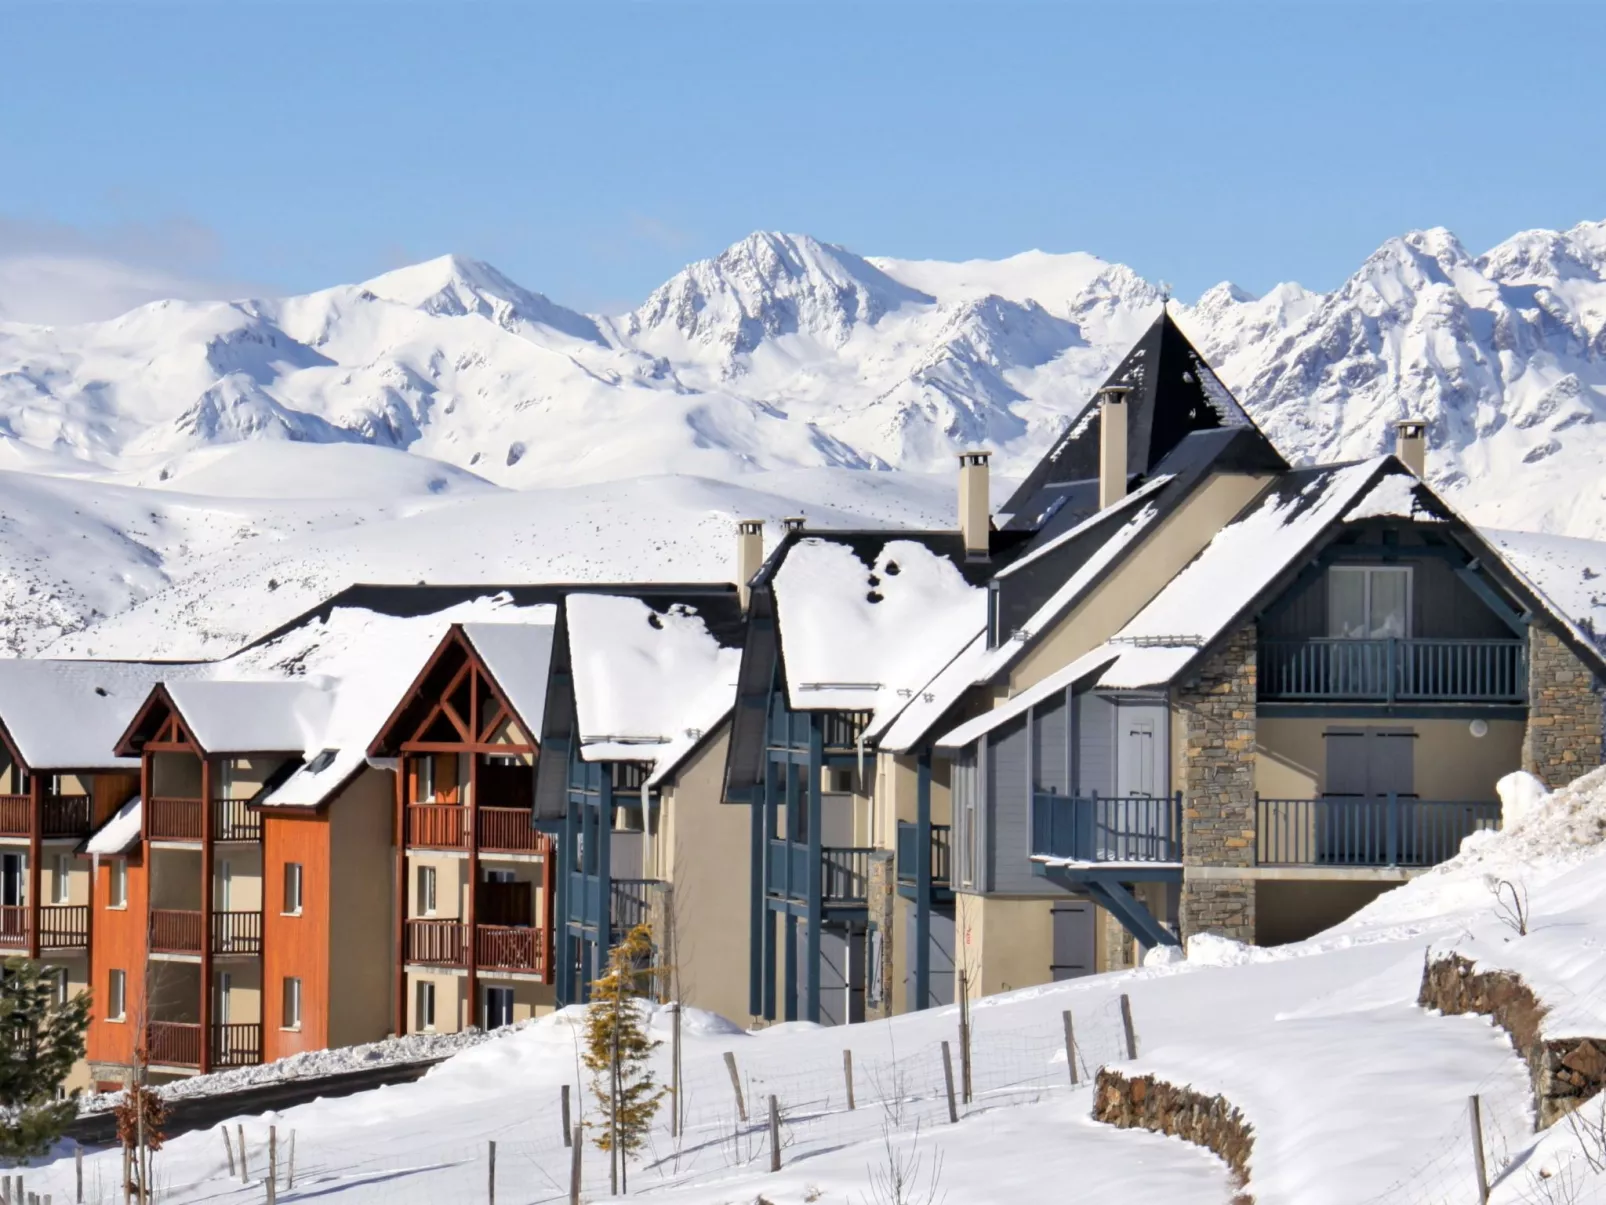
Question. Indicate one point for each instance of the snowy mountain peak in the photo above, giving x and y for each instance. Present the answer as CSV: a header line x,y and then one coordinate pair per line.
x,y
772,285
455,286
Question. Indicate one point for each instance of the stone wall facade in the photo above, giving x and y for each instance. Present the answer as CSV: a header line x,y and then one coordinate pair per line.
x,y
880,1001
1148,1103
1565,719
1216,715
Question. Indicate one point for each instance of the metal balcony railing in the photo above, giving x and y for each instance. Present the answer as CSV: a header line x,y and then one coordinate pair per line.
x,y
941,853
1389,671
1388,830
843,872
1095,828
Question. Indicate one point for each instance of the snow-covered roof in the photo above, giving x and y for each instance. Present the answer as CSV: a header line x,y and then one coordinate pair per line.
x,y
252,717
1066,677
67,715
117,835
1569,573
1065,537
647,684
866,637
518,656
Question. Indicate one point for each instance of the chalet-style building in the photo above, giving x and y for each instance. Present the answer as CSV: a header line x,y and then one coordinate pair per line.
x,y
1177,686
473,881
634,738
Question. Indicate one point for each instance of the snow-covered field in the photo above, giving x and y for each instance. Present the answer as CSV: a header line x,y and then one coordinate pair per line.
x,y
1356,1095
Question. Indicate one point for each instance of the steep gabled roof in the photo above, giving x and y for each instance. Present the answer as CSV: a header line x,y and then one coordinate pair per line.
x,y
67,715
1173,393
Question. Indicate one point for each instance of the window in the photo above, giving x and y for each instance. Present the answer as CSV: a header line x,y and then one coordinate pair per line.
x,y
62,879
292,888
117,890
426,779
1367,602
426,891
498,876
292,1003
424,1008
59,977
221,997
116,995
498,1007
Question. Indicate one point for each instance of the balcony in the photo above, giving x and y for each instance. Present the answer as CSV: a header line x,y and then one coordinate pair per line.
x,y
510,830
61,927
444,943
437,826
178,931
1393,671
940,854
1141,829
178,1044
1384,831
233,820
61,816
843,873
174,819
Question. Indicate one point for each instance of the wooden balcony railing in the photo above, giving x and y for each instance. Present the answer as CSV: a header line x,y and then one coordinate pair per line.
x,y
236,932
232,820
174,819
178,1044
1386,830
13,926
437,942
175,931
15,815
63,926
1139,828
511,948
65,816
1388,671
437,825
509,830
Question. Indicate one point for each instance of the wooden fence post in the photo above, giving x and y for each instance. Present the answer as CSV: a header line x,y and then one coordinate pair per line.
x,y
674,1075
964,1036
566,1135
1476,1107
1126,1022
78,1172
847,1074
1070,1045
948,1079
273,1164
736,1085
490,1172
290,1182
245,1172
775,1135
228,1150
577,1144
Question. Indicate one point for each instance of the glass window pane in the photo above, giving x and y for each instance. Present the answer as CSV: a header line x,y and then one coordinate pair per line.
x,y
1346,603
1390,603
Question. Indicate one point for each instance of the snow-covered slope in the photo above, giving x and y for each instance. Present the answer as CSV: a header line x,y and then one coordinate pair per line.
x,y
786,352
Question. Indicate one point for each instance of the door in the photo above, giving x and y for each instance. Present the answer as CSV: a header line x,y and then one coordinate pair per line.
x,y
498,1007
1139,830
13,917
1365,766
1073,940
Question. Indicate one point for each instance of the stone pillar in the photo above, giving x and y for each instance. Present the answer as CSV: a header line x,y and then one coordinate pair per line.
x,y
661,919
883,910
1216,712
1565,722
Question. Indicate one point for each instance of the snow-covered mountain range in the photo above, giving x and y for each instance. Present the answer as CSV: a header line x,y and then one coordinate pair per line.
x,y
781,354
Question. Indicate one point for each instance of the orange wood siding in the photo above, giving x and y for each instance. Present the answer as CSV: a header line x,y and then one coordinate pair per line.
x,y
118,943
296,946
108,792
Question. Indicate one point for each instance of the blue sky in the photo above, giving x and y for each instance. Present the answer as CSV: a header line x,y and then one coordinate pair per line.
x,y
591,150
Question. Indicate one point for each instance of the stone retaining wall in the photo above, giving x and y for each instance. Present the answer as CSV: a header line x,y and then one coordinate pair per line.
x,y
1566,725
1565,1072
1148,1103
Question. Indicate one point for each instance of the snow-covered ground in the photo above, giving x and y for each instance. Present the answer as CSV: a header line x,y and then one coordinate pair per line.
x,y
1356,1095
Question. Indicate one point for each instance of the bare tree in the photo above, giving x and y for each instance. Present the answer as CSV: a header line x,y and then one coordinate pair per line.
x,y
1511,904
904,1178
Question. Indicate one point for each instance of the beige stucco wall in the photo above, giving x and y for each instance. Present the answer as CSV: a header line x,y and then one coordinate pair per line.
x,y
449,1003
246,775
245,877
1122,593
704,852
1002,944
362,931
451,884
1293,911
1450,763
77,877
245,988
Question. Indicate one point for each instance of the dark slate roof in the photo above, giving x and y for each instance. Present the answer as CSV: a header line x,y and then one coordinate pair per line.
x,y
1174,393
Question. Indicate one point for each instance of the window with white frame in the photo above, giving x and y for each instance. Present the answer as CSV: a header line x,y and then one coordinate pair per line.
x,y
292,888
116,995
292,1002
426,891
61,880
117,888
424,1006
1369,602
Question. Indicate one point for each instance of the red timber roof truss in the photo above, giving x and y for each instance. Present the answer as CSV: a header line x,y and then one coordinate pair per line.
x,y
157,728
453,706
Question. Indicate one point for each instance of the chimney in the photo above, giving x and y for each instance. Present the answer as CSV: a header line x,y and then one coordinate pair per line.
x,y
749,554
793,522
975,506
1112,444
1411,444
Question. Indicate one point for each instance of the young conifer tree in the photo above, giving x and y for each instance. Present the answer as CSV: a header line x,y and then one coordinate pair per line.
x,y
618,1050
41,1037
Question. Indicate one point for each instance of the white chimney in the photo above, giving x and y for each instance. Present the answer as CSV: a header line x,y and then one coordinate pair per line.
x,y
975,506
1112,444
1411,444
793,522
749,554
